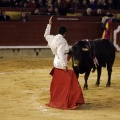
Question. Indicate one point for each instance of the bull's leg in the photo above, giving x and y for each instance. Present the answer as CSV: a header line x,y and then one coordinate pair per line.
x,y
86,79
98,75
109,69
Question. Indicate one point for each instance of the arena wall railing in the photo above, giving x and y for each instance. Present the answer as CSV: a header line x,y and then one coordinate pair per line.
x,y
30,34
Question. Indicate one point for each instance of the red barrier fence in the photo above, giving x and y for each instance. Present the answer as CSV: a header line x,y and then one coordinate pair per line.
x,y
31,33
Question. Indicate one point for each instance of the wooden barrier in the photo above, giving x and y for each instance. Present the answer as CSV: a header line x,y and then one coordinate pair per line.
x,y
31,33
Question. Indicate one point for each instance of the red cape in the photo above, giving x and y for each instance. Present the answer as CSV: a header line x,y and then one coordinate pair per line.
x,y
65,90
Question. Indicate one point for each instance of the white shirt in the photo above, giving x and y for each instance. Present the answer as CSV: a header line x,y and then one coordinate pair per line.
x,y
59,47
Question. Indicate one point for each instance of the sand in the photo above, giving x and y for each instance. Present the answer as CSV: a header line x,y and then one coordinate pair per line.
x,y
24,91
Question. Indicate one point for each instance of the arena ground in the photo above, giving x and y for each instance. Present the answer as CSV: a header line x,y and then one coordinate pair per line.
x,y
24,91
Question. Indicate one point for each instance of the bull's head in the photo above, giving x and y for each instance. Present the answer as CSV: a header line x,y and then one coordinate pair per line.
x,y
80,51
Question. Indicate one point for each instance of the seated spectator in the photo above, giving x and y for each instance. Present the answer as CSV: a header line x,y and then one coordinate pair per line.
x,y
14,3
58,5
75,4
56,11
48,3
110,5
92,4
99,12
24,17
32,4
36,12
49,10
102,4
83,5
24,4
5,17
68,6
39,4
88,12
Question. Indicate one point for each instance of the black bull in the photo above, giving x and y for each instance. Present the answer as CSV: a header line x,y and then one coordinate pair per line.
x,y
85,55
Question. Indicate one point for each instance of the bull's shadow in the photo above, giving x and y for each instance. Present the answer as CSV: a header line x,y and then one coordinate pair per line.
x,y
89,55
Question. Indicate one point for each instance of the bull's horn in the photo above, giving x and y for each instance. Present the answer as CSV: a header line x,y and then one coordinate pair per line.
x,y
75,63
85,49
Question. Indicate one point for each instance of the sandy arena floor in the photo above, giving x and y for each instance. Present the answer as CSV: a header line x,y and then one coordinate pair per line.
x,y
24,91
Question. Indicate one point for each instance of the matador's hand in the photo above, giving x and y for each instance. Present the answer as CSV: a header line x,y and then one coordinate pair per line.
x,y
50,20
65,68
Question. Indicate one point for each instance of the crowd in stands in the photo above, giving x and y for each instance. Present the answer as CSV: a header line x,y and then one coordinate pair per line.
x,y
76,4
62,6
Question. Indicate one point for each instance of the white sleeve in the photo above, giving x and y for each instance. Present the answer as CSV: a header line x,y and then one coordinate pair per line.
x,y
47,35
61,53
47,32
